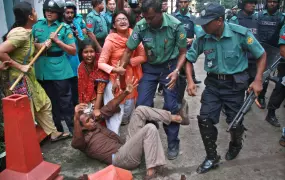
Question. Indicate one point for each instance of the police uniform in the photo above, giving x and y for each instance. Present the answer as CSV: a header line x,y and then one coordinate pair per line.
x,y
278,94
191,30
108,17
97,24
227,79
162,49
53,71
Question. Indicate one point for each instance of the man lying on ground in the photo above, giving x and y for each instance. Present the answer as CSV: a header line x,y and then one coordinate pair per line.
x,y
100,143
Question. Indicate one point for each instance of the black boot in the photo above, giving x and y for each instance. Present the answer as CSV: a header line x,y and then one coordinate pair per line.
x,y
271,118
236,142
209,135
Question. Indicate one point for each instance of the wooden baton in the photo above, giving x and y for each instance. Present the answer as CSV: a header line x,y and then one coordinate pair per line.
x,y
32,62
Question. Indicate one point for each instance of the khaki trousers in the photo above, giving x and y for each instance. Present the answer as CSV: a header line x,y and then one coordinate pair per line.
x,y
44,117
143,138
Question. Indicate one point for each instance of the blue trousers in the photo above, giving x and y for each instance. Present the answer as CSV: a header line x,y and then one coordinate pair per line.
x,y
152,75
59,92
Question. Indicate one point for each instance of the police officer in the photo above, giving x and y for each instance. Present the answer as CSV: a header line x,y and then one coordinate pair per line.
x,y
248,18
278,94
224,45
164,6
70,12
110,8
232,12
96,23
164,40
191,29
52,67
134,12
270,21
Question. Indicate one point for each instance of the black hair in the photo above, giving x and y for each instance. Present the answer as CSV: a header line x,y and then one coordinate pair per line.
x,y
96,2
116,13
155,4
22,11
83,44
108,1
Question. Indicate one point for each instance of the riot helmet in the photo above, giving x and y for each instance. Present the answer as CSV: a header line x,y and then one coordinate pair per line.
x,y
278,6
70,4
55,6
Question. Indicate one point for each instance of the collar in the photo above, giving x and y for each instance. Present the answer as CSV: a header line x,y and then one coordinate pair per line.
x,y
179,14
95,12
164,20
55,22
226,33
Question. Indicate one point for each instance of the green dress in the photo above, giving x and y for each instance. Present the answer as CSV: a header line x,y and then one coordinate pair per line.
x,y
22,40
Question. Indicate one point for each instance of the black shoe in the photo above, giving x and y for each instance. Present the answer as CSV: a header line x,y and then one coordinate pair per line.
x,y
208,164
262,102
233,152
272,120
173,152
282,141
196,81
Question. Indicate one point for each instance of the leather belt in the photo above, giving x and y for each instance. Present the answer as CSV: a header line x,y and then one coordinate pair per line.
x,y
221,76
52,54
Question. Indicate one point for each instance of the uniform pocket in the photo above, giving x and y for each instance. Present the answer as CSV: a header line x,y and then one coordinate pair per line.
x,y
56,64
231,59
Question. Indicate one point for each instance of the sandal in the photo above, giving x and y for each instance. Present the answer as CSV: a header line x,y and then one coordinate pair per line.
x,y
60,137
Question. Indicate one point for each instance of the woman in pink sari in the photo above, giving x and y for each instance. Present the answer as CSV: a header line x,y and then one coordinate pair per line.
x,y
113,49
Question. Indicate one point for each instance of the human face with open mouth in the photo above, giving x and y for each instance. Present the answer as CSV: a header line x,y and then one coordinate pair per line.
x,y
121,23
88,55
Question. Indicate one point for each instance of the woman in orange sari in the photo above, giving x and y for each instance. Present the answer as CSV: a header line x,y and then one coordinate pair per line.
x,y
114,47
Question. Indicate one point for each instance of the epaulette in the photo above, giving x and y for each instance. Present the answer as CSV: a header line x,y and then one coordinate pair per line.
x,y
238,29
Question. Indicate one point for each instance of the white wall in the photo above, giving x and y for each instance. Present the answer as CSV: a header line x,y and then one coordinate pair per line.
x,y
3,27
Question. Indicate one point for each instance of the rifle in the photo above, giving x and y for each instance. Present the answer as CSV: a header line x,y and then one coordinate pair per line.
x,y
251,97
32,62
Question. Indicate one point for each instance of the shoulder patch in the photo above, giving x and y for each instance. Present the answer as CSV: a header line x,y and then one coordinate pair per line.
x,y
249,40
70,36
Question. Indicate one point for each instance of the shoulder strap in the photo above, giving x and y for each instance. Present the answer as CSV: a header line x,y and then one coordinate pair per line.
x,y
29,52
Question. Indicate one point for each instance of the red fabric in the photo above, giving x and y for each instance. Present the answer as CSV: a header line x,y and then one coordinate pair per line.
x,y
88,83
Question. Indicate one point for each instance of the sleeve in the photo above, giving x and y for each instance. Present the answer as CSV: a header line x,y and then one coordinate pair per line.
x,y
101,87
18,36
90,24
282,36
181,37
80,83
69,38
252,45
140,56
82,24
134,40
105,57
194,52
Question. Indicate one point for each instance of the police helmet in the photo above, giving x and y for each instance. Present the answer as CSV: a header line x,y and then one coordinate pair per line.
x,y
241,3
54,5
70,4
267,1
133,3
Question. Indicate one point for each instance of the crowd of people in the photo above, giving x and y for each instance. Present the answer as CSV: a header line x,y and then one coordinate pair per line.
x,y
102,73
